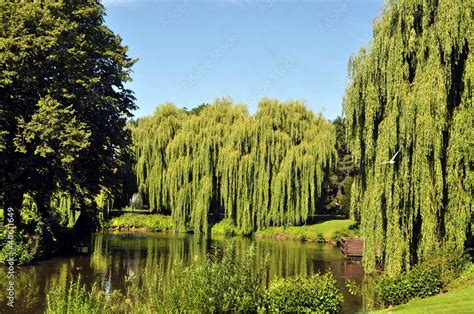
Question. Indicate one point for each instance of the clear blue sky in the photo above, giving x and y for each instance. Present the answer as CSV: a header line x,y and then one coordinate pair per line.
x,y
195,51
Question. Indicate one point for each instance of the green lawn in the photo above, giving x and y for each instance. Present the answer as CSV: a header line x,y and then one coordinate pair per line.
x,y
327,230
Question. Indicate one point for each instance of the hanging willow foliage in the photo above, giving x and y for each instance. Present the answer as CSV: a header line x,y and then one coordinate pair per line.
x,y
411,91
260,170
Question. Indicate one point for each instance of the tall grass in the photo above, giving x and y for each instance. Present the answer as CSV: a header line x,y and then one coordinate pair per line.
x,y
218,283
77,299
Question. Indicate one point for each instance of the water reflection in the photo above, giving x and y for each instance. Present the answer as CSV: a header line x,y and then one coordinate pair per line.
x,y
117,256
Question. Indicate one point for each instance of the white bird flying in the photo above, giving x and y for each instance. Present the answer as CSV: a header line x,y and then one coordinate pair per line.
x,y
391,161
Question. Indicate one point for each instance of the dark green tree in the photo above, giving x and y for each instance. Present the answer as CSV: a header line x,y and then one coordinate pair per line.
x,y
337,192
63,103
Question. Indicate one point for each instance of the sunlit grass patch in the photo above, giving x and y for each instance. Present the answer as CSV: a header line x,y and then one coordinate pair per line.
x,y
154,222
324,231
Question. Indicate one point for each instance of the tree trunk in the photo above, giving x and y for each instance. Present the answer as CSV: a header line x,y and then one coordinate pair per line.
x,y
43,201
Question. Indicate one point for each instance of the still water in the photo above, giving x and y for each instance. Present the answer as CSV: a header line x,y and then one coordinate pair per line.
x,y
116,255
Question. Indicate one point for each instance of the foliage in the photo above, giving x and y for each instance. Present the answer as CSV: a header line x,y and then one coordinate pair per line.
x,y
316,294
424,280
76,298
63,103
34,239
324,231
223,282
257,171
457,299
337,191
155,222
466,277
410,92
212,285
225,227
352,287
21,251
418,282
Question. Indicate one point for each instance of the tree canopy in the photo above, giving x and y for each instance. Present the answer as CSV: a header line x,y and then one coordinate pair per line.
x,y
411,91
261,170
63,103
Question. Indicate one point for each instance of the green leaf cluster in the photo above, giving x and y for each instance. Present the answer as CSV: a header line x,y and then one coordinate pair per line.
x,y
315,294
63,103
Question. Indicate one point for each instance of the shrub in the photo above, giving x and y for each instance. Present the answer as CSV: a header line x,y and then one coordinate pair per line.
x,y
338,235
225,227
422,281
302,236
317,293
154,222
22,251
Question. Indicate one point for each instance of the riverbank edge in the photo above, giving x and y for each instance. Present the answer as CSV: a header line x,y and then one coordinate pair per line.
x,y
330,231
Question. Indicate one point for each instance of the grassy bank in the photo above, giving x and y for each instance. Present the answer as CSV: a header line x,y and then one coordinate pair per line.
x,y
331,230
457,299
154,222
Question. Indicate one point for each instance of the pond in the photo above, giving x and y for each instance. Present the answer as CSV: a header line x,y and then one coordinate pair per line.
x,y
116,255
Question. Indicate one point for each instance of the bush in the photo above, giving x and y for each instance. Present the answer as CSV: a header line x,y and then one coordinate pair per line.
x,y
225,227
317,293
22,251
154,222
34,236
338,235
424,280
420,282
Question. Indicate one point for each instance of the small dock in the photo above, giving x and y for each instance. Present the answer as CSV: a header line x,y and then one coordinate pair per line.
x,y
352,246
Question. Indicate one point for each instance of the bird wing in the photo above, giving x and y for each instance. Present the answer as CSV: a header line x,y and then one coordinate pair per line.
x,y
393,158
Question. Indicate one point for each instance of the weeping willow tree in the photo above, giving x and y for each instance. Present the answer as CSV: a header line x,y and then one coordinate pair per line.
x,y
411,92
151,136
274,166
262,170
